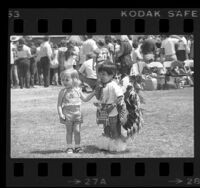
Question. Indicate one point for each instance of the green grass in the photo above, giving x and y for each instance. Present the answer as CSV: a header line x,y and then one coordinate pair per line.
x,y
37,133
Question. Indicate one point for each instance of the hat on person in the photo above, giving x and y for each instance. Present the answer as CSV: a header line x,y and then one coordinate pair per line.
x,y
14,38
21,41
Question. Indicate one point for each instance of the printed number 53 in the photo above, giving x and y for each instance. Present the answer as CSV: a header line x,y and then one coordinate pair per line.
x,y
13,14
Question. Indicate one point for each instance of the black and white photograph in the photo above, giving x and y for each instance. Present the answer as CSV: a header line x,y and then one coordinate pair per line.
x,y
101,96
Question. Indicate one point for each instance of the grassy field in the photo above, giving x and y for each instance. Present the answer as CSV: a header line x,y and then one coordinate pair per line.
x,y
37,133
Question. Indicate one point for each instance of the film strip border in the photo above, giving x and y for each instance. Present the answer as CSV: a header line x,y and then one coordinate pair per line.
x,y
42,26
102,172
109,21
91,26
95,173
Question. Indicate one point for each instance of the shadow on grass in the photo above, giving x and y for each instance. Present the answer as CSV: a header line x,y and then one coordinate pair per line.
x,y
47,151
92,149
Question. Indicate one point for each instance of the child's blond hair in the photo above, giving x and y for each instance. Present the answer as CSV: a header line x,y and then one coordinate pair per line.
x,y
74,76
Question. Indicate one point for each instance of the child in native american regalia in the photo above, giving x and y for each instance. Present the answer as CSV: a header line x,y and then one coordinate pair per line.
x,y
117,109
133,100
110,97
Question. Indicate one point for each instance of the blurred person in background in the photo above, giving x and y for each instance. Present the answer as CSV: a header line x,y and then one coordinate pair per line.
x,y
39,66
33,64
136,55
89,45
182,49
123,56
61,58
103,53
130,39
191,54
13,66
168,51
54,66
148,49
70,56
88,72
109,45
76,51
23,56
46,54
158,47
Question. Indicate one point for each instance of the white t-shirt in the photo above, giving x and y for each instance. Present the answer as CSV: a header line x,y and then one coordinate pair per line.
x,y
117,47
138,53
37,54
45,50
76,50
110,94
24,53
82,56
183,45
103,54
169,45
89,68
54,61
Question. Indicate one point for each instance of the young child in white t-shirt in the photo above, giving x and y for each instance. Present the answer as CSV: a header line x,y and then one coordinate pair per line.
x,y
110,95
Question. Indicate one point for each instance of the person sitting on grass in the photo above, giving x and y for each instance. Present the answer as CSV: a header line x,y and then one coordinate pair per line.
x,y
69,108
87,71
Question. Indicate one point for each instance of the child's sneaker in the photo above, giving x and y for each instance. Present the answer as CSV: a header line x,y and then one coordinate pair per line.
x,y
69,151
78,150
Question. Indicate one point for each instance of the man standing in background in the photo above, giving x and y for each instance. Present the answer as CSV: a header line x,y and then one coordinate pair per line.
x,y
23,56
148,49
13,66
33,64
45,58
168,50
123,56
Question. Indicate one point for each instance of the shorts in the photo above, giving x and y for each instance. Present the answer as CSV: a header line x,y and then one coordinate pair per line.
x,y
72,114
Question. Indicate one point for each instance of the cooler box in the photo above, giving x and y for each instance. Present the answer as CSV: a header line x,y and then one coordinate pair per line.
x,y
150,84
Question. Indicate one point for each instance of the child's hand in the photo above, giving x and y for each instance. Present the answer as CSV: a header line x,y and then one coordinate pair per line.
x,y
96,104
110,108
62,116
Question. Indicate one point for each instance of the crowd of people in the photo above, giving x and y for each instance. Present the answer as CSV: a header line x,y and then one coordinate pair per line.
x,y
41,62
